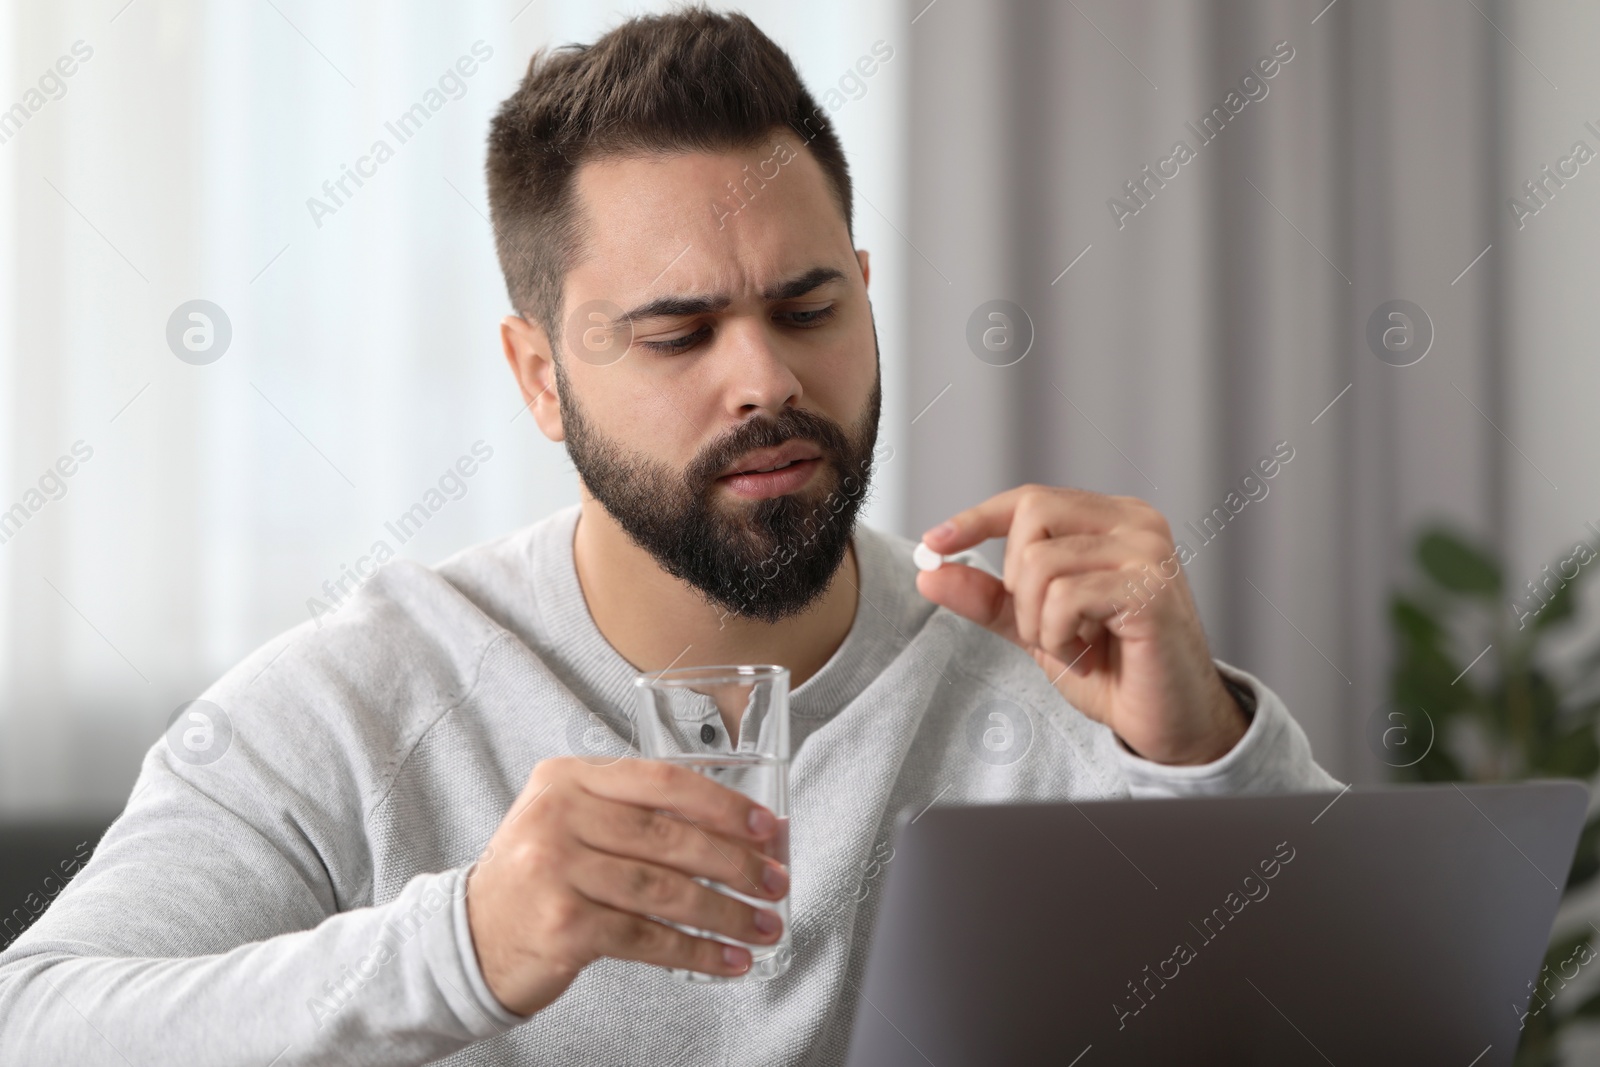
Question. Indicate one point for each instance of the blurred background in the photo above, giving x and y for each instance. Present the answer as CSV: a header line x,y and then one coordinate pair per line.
x,y
1131,247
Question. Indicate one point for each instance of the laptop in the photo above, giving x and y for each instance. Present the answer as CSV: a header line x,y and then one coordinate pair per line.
x,y
1398,925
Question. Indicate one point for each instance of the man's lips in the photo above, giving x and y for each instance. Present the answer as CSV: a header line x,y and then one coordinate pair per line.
x,y
769,459
763,485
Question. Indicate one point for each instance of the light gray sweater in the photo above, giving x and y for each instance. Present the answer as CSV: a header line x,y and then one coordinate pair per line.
x,y
299,900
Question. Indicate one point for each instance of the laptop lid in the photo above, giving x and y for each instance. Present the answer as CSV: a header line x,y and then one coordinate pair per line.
x,y
1391,925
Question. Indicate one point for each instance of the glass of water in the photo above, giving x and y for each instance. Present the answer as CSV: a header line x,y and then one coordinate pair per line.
x,y
731,724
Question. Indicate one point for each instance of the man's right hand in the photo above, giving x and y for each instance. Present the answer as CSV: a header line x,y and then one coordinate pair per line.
x,y
588,852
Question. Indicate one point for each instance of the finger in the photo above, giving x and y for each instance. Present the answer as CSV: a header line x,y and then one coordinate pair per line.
x,y
626,936
1040,563
1080,657
1091,634
628,830
648,889
1023,515
972,594
1075,604
1096,513
656,784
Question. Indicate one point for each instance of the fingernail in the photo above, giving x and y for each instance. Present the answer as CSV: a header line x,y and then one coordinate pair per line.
x,y
767,922
737,958
761,821
774,878
944,529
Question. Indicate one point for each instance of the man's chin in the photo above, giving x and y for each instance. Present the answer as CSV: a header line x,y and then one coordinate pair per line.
x,y
764,527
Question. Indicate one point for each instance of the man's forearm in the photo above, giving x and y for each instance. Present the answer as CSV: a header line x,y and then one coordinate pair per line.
x,y
390,978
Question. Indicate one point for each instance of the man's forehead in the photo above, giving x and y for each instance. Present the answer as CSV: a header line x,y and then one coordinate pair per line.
x,y
652,219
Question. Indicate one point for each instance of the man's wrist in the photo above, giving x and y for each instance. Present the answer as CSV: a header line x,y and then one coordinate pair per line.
x,y
1236,714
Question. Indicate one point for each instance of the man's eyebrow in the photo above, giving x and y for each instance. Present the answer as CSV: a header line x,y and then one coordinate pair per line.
x,y
671,307
814,278
683,306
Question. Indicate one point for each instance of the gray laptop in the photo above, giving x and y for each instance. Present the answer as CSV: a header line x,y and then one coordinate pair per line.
x,y
1396,925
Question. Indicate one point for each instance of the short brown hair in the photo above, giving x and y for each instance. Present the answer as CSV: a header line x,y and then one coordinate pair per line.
x,y
690,81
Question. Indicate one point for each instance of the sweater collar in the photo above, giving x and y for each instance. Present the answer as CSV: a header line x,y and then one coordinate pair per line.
x,y
602,678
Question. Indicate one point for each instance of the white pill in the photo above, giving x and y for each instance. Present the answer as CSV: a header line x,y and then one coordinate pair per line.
x,y
926,558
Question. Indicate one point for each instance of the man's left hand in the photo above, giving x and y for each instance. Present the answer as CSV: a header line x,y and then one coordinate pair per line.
x,y
1093,590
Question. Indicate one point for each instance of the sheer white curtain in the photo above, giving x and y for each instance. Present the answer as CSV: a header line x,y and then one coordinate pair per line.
x,y
175,165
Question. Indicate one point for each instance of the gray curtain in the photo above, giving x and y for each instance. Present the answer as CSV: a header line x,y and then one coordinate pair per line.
x,y
1229,311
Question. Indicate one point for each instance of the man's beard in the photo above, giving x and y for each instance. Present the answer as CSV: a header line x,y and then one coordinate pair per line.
x,y
762,559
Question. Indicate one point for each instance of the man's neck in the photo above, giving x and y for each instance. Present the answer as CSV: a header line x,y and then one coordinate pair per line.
x,y
656,620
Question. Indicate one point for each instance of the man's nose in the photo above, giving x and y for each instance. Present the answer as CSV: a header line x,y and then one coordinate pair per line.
x,y
756,376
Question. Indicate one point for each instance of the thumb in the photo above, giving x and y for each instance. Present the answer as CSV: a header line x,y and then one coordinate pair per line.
x,y
973,594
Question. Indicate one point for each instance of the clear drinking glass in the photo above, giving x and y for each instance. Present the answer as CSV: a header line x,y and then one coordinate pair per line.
x,y
682,718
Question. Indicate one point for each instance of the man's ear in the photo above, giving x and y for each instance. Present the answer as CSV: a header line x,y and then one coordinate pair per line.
x,y
528,353
866,267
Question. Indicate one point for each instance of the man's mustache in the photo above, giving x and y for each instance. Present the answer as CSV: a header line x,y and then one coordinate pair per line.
x,y
829,438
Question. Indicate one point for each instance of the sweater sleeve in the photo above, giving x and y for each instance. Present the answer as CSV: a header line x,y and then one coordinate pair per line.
x,y
1273,756
192,929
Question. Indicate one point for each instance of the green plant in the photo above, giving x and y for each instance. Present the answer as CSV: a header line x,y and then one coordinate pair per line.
x,y
1513,714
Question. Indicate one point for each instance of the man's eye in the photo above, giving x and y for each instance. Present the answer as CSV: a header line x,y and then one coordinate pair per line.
x,y
677,344
815,317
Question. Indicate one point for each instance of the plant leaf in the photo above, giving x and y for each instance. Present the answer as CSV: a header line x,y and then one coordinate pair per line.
x,y
1562,948
1437,766
1559,609
1575,755
1586,860
1589,1009
1457,565
1422,677
1415,622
